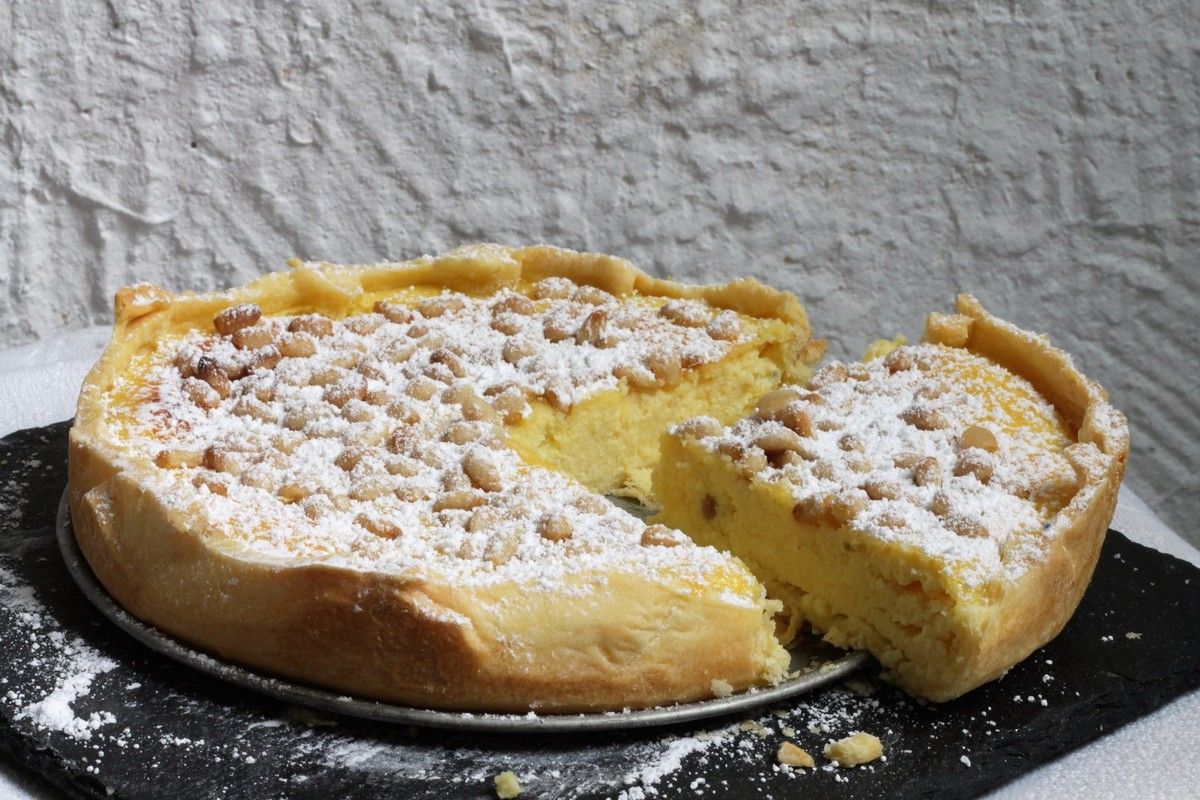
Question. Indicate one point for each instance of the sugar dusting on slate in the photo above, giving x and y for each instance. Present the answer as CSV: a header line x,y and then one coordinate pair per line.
x,y
54,695
69,665
623,769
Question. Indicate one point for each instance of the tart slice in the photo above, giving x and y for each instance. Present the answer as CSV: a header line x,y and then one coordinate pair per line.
x,y
942,507
383,479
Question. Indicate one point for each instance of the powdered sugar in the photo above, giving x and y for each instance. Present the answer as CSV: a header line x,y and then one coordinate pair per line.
x,y
55,712
382,446
617,768
72,666
868,430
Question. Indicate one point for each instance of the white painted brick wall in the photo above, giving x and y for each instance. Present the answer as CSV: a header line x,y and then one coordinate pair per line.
x,y
874,157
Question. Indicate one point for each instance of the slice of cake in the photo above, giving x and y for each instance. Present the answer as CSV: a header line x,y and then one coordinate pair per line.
x,y
942,507
384,479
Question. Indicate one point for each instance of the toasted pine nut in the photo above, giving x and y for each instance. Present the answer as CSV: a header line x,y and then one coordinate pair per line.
x,y
176,459
774,401
724,327
684,313
252,338
666,368
314,325
235,318
383,528
661,536
514,304
881,489
978,436
552,289
297,345
481,469
554,526
201,393
927,472
394,312
923,417
974,461
442,304
460,500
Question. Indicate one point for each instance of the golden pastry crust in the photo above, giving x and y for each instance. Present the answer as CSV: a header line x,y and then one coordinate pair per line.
x,y
412,636
861,552
1034,609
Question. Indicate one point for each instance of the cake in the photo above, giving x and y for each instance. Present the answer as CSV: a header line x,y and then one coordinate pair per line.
x,y
941,506
388,480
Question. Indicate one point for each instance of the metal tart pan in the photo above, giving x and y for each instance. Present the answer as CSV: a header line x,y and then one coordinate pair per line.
x,y
814,664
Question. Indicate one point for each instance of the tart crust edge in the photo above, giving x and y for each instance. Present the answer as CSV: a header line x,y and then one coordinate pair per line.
x,y
1035,608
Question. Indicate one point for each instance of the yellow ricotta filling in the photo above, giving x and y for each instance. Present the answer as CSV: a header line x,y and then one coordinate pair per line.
x,y
610,441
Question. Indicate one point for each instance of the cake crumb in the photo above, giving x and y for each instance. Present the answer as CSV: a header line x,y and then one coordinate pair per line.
x,y
721,688
881,347
507,785
855,749
794,756
755,727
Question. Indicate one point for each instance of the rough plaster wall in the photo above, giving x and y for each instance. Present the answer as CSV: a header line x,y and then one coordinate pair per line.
x,y
875,157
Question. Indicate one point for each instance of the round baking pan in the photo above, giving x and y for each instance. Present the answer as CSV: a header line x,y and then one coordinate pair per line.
x,y
813,664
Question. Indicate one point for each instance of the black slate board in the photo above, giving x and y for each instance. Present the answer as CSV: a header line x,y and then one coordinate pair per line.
x,y
161,730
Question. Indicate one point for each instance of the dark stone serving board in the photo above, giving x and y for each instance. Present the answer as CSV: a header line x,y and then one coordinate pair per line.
x,y
132,724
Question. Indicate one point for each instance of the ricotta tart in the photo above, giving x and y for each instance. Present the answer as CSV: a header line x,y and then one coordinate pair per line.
x,y
387,479
941,506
